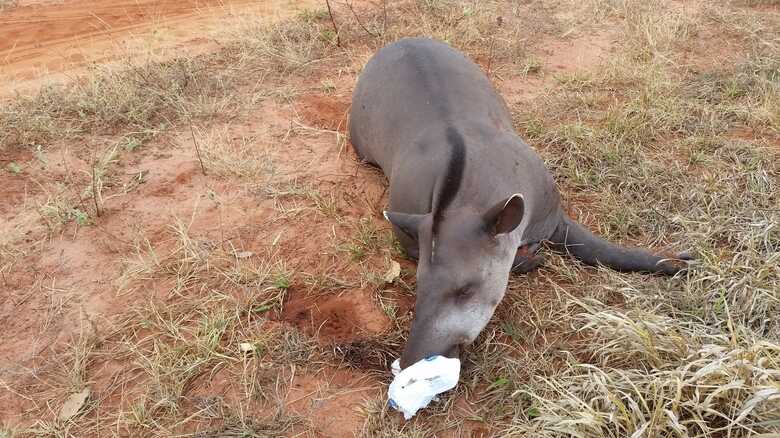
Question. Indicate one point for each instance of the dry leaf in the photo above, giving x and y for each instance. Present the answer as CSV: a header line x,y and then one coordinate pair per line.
x,y
393,273
246,347
244,254
73,404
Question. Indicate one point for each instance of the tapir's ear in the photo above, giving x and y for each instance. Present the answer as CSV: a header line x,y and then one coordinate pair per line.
x,y
506,215
408,223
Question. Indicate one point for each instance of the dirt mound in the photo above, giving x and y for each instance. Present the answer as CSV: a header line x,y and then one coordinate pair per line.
x,y
375,354
324,111
342,318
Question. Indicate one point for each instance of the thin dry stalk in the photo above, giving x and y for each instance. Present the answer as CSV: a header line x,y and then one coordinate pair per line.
x,y
95,189
333,20
357,19
384,17
197,150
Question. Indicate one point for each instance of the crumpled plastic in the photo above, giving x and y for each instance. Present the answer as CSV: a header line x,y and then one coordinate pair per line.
x,y
413,388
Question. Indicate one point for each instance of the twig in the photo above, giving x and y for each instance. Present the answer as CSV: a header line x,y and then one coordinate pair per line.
x,y
335,27
349,5
490,55
384,16
112,235
499,22
95,189
197,150
379,199
69,184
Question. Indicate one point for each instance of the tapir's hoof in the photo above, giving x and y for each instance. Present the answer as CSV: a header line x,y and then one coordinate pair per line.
x,y
412,254
524,265
680,263
685,255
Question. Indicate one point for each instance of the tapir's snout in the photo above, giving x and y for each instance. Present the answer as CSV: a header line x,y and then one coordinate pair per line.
x,y
411,356
425,341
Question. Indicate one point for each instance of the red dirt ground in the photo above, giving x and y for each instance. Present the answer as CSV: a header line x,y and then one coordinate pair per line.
x,y
69,282
339,318
70,285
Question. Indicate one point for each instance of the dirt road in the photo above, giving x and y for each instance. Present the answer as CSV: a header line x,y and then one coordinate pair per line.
x,y
46,40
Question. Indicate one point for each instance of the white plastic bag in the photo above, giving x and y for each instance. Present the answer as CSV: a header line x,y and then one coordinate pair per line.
x,y
414,387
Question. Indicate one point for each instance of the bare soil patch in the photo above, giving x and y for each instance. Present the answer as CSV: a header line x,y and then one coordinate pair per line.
x,y
343,318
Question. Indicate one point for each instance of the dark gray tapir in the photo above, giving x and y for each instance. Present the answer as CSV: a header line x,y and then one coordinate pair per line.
x,y
468,198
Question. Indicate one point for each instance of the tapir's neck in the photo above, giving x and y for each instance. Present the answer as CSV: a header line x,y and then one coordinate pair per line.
x,y
485,165
448,186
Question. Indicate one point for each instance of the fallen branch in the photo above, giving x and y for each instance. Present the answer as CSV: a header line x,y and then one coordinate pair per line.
x,y
335,27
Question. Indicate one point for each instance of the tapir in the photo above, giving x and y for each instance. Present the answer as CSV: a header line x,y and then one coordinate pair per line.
x,y
468,198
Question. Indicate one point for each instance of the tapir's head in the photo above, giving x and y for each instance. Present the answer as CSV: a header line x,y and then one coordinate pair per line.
x,y
462,273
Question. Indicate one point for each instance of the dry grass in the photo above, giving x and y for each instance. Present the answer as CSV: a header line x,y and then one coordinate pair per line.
x,y
234,156
656,148
660,376
134,102
176,345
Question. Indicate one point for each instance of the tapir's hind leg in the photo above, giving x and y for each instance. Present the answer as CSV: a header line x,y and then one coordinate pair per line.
x,y
358,144
575,239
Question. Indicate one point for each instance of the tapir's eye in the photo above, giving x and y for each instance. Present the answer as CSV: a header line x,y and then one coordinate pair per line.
x,y
463,293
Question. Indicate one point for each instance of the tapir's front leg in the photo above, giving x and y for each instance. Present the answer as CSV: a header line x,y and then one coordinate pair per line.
x,y
405,230
526,259
573,238
410,244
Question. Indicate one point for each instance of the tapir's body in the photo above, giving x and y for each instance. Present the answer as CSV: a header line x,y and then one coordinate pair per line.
x,y
465,191
408,96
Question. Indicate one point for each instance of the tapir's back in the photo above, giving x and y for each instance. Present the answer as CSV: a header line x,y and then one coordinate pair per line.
x,y
413,84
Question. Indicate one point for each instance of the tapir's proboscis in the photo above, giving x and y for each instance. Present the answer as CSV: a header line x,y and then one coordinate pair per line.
x,y
468,198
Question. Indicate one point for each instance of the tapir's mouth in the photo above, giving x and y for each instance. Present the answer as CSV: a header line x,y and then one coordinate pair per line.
x,y
452,352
